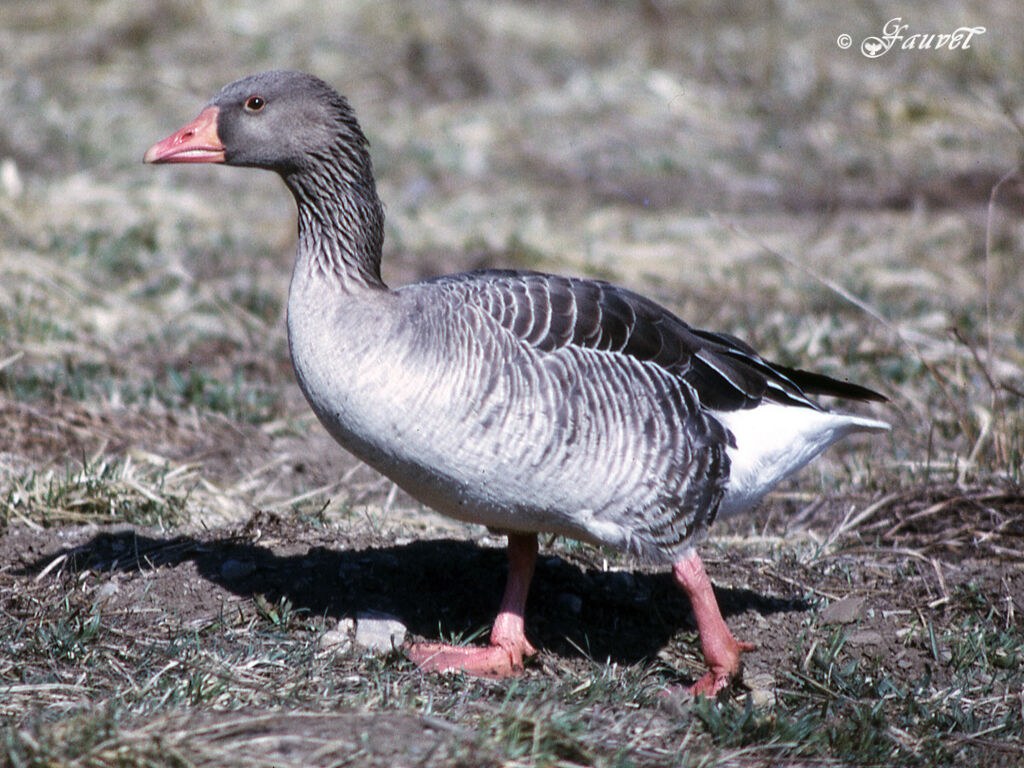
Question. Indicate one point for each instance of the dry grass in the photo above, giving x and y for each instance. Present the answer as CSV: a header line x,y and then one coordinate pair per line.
x,y
860,217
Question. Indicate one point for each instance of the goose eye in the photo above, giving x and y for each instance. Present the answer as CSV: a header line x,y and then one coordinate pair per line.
x,y
254,104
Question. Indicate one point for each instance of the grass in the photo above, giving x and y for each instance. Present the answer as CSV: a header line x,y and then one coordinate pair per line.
x,y
832,706
831,701
99,491
852,216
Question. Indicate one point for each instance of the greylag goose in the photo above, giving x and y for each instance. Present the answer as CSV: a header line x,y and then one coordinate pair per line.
x,y
522,401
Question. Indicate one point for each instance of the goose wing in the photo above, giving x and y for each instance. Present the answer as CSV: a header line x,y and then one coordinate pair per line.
x,y
550,312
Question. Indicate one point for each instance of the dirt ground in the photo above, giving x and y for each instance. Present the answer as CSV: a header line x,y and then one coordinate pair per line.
x,y
896,603
150,579
187,560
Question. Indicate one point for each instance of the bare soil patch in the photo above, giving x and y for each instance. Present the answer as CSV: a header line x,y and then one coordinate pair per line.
x,y
178,535
898,613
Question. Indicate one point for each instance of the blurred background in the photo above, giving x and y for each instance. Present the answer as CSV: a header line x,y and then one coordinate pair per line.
x,y
728,158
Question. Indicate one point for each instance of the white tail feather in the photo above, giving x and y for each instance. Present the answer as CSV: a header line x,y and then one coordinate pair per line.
x,y
774,441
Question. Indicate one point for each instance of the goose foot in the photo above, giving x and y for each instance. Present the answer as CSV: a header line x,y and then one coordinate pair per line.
x,y
721,675
504,656
492,661
721,650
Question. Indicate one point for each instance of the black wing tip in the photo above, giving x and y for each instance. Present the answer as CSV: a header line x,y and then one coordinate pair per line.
x,y
868,394
820,384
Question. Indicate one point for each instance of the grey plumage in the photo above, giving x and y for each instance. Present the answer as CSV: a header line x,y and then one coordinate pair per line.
x,y
523,401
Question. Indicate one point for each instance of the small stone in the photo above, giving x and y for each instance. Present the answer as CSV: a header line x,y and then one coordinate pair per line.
x,y
338,639
759,679
107,590
762,688
378,632
866,637
845,611
232,569
762,697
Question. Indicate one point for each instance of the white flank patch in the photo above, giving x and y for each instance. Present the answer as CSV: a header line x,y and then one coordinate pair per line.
x,y
774,441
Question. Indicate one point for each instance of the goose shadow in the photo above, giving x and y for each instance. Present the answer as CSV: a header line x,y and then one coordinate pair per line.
x,y
434,587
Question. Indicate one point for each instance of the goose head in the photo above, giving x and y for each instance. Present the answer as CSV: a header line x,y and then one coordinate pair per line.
x,y
300,127
281,120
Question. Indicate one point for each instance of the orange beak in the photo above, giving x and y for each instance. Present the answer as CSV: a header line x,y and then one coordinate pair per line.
x,y
197,142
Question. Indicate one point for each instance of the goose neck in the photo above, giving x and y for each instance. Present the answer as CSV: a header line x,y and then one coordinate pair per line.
x,y
341,228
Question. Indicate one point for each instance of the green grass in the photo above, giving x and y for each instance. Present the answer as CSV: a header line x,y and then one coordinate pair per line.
x,y
738,167
854,710
232,395
99,490
830,706
236,398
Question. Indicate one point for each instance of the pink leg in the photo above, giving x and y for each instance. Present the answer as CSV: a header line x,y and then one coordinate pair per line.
x,y
504,656
721,650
